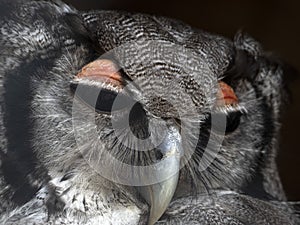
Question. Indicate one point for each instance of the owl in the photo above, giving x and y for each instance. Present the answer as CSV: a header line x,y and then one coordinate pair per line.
x,y
109,117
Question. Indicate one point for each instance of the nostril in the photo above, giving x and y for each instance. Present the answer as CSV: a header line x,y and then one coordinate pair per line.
x,y
178,123
158,155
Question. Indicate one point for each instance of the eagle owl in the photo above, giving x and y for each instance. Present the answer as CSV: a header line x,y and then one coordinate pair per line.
x,y
115,118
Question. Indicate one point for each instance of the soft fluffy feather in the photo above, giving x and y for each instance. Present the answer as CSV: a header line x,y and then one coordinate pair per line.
x,y
43,177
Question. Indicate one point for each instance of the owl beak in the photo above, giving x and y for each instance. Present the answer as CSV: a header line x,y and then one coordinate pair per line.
x,y
159,195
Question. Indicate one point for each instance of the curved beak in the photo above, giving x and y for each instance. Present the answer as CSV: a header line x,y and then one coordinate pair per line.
x,y
159,195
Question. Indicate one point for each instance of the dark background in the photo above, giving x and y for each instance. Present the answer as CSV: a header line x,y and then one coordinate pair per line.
x,y
276,24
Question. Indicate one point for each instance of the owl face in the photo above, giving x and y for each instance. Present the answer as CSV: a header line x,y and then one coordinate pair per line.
x,y
144,104
166,105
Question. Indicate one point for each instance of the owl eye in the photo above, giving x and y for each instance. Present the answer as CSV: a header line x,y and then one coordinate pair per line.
x,y
228,109
101,99
233,120
220,126
98,84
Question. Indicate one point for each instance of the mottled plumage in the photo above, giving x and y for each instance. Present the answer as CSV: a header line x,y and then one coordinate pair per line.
x,y
45,177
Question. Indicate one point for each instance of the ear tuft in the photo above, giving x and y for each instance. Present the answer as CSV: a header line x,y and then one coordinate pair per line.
x,y
244,42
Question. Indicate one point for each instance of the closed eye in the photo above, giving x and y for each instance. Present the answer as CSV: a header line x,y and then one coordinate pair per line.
x,y
227,114
101,99
98,84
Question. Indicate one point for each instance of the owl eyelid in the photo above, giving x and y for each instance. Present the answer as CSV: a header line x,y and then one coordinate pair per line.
x,y
227,101
226,95
101,71
100,79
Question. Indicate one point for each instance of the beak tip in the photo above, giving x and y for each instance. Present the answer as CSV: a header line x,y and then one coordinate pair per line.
x,y
159,197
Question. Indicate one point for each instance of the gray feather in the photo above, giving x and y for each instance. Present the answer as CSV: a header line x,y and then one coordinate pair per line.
x,y
44,178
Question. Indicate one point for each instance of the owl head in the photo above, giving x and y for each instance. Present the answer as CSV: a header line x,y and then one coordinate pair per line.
x,y
143,103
